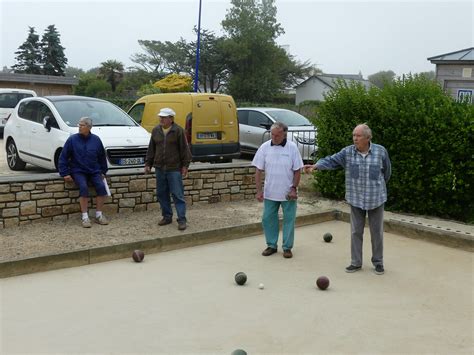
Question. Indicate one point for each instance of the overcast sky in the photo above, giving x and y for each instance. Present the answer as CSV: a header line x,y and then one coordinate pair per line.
x,y
338,36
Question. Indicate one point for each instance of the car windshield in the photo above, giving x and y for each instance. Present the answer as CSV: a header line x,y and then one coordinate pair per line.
x,y
10,99
101,113
290,118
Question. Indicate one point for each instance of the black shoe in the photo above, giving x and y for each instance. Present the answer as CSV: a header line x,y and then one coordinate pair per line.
x,y
352,268
182,225
379,269
287,253
269,251
164,221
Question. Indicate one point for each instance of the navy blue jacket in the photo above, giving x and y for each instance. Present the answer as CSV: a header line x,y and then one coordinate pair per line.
x,y
83,154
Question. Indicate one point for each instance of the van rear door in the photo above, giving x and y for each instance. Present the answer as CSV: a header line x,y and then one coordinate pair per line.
x,y
207,120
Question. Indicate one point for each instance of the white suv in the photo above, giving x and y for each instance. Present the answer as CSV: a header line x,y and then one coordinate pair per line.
x,y
8,100
39,126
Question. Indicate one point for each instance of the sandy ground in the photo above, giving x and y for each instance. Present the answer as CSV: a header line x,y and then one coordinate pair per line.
x,y
186,302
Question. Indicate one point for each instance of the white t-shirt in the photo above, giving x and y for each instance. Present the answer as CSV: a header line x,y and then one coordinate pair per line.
x,y
279,164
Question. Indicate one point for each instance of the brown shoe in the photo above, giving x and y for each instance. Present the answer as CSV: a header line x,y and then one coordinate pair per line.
x,y
164,221
269,251
287,253
181,226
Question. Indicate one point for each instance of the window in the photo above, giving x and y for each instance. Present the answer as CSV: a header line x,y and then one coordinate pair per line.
x,y
9,100
243,117
465,95
136,112
258,119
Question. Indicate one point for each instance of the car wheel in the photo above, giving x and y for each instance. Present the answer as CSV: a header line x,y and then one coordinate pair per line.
x,y
56,159
13,159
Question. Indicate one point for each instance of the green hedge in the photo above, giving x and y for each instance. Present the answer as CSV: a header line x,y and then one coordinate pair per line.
x,y
429,138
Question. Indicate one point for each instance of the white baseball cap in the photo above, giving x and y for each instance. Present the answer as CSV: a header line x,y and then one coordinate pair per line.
x,y
165,112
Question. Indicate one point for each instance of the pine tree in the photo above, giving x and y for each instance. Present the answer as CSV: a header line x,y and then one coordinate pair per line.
x,y
53,59
28,59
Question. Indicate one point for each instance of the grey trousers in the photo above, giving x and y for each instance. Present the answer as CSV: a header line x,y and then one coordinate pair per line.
x,y
376,234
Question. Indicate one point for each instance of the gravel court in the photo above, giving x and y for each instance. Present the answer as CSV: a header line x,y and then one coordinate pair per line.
x,y
186,301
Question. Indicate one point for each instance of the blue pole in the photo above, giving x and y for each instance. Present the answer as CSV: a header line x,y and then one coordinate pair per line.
x,y
196,74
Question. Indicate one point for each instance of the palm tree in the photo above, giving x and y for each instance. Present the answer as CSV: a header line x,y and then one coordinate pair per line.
x,y
112,72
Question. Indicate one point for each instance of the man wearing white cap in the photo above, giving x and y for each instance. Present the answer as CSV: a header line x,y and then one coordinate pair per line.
x,y
169,153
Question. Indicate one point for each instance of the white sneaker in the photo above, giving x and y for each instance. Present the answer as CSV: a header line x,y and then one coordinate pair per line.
x,y
101,220
86,223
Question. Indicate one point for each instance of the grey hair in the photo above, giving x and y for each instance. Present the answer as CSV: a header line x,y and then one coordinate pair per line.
x,y
279,125
87,121
366,130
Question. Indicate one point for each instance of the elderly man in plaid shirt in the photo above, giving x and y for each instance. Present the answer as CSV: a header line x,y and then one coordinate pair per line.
x,y
367,170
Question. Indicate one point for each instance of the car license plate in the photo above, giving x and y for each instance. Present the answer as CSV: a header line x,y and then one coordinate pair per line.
x,y
207,135
131,161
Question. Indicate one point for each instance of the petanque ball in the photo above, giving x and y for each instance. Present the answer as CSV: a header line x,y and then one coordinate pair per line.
x,y
239,352
327,237
322,282
138,256
240,278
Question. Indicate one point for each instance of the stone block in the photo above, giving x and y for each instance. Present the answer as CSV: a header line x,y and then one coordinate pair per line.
x,y
110,208
137,185
235,189
4,188
219,185
46,202
15,189
225,198
28,208
126,203
140,208
42,195
220,177
51,211
54,188
198,183
63,201
61,194
71,208
147,197
153,206
236,197
28,186
248,180
10,212
12,204
228,176
205,193
214,199
7,197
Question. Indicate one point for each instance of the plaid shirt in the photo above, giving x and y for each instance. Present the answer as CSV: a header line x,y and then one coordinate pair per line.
x,y
366,177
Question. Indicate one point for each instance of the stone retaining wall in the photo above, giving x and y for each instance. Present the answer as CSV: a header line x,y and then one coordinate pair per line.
x,y
53,199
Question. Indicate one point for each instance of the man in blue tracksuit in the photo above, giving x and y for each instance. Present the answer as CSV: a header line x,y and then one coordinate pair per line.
x,y
83,160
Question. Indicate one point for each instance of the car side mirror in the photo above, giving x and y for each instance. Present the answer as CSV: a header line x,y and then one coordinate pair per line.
x,y
47,123
266,125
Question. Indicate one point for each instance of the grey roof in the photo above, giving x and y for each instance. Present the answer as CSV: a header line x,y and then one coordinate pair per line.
x,y
34,78
463,55
331,79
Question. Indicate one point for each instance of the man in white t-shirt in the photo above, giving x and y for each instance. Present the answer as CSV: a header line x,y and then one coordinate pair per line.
x,y
281,161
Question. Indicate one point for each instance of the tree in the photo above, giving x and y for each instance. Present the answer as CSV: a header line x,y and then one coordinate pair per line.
x,y
28,59
213,73
53,59
258,67
73,72
112,72
430,75
174,83
381,78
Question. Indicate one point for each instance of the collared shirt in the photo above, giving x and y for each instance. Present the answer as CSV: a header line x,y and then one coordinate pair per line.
x,y
279,163
366,177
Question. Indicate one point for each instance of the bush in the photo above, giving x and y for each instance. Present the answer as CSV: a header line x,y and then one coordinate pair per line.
x,y
429,138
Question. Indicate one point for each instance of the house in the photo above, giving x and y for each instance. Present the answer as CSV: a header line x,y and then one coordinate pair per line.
x,y
455,73
42,84
316,86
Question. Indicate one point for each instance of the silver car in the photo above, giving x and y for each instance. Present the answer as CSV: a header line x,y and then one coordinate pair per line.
x,y
255,123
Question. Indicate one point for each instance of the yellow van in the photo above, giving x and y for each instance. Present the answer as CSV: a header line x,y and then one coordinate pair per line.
x,y
209,120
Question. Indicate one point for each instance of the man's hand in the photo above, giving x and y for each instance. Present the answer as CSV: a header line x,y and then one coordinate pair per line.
x,y
147,169
184,171
259,196
292,195
309,168
68,178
